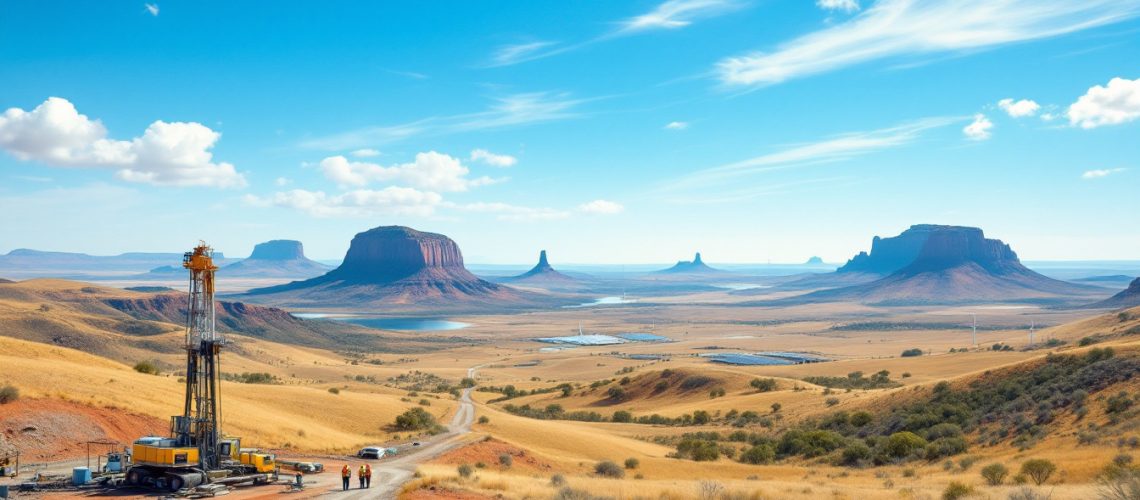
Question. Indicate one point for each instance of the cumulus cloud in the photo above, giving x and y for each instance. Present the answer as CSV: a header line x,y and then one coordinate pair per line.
x,y
152,8
601,207
842,5
431,171
492,159
392,200
1097,174
1117,103
365,153
1018,109
167,154
676,125
892,29
282,181
979,129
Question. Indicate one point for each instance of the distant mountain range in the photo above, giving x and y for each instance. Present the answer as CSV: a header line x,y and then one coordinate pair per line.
x,y
695,266
1129,297
543,275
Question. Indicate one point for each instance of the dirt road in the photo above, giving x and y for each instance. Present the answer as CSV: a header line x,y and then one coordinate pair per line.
x,y
389,475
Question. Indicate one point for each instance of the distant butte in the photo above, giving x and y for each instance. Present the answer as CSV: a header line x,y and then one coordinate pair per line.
x,y
695,266
1129,297
541,272
392,265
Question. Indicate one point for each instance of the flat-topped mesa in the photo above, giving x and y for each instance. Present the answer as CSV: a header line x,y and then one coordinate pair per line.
x,y
389,253
278,250
929,247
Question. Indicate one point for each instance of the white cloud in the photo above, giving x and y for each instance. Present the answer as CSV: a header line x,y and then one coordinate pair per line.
x,y
1117,103
365,153
431,171
391,200
676,125
152,8
507,111
843,5
1097,174
282,181
507,55
167,154
837,148
674,14
897,28
601,207
1018,109
492,159
979,129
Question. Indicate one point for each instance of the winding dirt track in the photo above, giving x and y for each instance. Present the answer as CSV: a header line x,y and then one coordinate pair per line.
x,y
390,474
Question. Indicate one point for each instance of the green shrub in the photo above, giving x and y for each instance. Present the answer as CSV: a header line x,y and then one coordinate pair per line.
x,y
860,418
832,401
632,463
995,474
701,417
147,366
903,444
763,384
557,480
910,353
8,394
465,470
417,419
1038,470
467,382
855,453
483,419
334,390
506,460
956,490
621,417
609,469
776,407
759,454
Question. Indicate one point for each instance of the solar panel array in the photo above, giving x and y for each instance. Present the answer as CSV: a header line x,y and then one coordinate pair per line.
x,y
642,337
747,359
795,357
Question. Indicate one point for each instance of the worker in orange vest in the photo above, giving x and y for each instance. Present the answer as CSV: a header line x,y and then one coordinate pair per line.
x,y
345,475
360,475
367,472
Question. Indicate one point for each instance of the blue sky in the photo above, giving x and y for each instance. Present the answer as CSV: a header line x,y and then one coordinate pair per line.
x,y
604,132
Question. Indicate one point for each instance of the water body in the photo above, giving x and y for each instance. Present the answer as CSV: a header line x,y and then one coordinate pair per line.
x,y
403,324
407,324
606,301
742,286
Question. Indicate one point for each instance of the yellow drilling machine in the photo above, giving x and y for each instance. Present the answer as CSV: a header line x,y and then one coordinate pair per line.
x,y
197,453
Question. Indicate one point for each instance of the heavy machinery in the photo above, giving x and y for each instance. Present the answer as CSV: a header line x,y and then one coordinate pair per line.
x,y
197,452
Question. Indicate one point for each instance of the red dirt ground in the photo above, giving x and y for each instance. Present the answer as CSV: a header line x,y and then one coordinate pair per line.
x,y
488,452
45,429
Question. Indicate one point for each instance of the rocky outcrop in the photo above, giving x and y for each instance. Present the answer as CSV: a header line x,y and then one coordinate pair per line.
x,y
543,275
941,264
278,250
814,261
1129,297
392,265
695,266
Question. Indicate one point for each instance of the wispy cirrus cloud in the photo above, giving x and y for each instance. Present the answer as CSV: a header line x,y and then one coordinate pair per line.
x,y
837,148
504,111
893,29
668,15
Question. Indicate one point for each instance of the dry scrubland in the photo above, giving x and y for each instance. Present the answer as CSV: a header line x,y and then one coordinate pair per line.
x,y
299,411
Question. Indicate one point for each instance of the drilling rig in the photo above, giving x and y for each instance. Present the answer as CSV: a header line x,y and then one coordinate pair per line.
x,y
197,452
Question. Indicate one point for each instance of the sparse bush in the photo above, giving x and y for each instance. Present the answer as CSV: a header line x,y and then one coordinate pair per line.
x,y
8,394
506,460
776,407
147,366
995,474
334,390
763,384
1119,483
418,419
483,419
910,353
1027,493
701,417
465,470
832,401
609,469
467,383
1119,403
661,386
557,480
695,382
622,417
632,463
1039,470
717,392
759,454
903,444
709,490
956,490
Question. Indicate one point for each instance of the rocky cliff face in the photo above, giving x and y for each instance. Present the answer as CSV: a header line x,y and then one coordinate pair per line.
x,y
389,253
542,273
278,250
